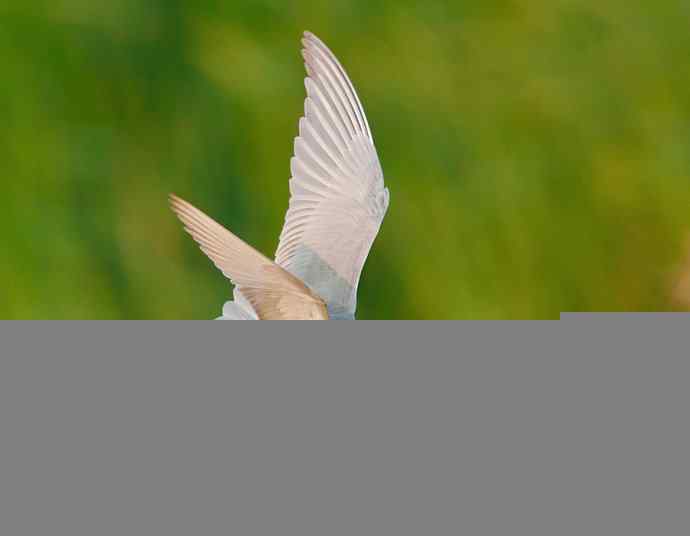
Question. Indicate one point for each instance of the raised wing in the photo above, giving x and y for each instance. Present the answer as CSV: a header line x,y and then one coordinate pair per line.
x,y
273,293
338,199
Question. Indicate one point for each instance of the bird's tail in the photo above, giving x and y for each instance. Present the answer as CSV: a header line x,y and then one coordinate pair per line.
x,y
239,309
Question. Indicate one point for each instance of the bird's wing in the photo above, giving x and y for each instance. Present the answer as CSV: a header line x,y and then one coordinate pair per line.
x,y
338,199
273,293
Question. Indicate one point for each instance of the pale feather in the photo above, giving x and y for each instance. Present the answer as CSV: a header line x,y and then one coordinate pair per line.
x,y
238,309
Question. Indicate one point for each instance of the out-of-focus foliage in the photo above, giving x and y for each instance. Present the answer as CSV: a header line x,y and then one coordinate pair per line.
x,y
537,152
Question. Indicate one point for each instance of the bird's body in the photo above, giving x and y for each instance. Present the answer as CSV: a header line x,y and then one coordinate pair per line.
x,y
337,203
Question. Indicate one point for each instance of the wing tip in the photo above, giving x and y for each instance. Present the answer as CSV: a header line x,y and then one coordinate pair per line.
x,y
311,41
184,211
188,215
176,203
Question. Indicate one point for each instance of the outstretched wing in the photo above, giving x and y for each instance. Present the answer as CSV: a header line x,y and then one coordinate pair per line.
x,y
273,293
338,199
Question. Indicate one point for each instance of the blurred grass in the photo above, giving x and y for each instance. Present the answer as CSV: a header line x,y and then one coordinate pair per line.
x,y
537,153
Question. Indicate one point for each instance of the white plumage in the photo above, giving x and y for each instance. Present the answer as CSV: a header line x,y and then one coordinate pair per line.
x,y
337,203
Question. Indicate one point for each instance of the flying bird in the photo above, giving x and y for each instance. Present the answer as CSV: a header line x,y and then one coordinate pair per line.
x,y
337,203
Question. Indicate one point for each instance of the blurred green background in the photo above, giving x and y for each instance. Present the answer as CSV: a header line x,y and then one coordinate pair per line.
x,y
537,152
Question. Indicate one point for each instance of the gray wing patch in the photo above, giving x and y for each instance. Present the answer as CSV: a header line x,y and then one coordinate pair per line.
x,y
323,280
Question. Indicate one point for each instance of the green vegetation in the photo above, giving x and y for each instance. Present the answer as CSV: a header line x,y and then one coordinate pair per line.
x,y
537,153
